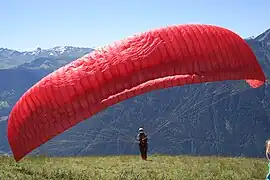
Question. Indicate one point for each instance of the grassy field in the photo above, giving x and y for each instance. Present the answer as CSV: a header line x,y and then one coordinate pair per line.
x,y
132,167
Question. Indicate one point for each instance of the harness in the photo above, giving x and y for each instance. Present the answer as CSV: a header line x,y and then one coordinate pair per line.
x,y
142,140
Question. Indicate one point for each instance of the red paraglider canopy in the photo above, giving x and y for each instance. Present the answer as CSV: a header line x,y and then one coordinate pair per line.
x,y
160,58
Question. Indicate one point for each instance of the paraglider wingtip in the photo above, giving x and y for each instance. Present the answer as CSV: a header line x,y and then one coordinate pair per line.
x,y
17,158
255,83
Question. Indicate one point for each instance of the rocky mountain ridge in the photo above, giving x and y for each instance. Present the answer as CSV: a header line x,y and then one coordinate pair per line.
x,y
10,58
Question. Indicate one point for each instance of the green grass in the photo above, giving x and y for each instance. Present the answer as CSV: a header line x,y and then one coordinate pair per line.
x,y
132,167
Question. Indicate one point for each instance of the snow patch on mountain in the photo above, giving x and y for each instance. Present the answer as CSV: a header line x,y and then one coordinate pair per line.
x,y
10,58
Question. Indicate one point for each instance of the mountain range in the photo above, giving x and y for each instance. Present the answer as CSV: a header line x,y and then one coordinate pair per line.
x,y
11,58
223,118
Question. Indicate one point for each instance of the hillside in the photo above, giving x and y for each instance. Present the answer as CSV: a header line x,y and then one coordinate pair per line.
x,y
224,118
132,168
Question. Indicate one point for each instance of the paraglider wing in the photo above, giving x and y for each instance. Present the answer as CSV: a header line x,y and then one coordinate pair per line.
x,y
160,58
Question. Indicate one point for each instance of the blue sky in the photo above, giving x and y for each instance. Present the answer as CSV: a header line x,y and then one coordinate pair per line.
x,y
28,24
